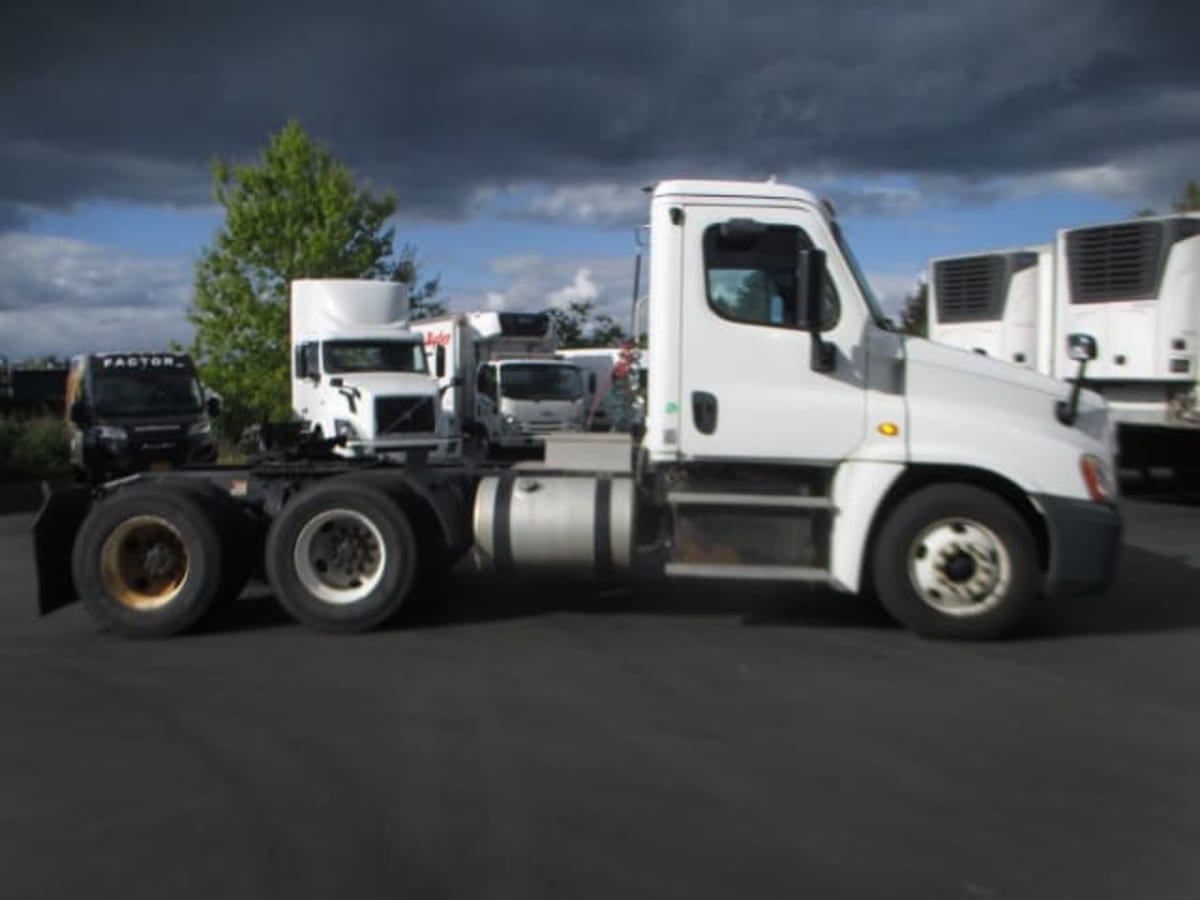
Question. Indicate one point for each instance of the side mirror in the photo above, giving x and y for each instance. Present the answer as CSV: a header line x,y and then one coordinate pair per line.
x,y
213,405
1081,347
78,413
591,384
439,361
301,363
810,280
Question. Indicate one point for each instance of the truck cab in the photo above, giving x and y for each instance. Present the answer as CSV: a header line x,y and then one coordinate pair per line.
x,y
502,385
519,401
129,412
359,373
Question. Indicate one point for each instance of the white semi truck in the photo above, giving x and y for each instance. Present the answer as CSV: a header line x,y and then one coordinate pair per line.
x,y
1134,285
790,436
358,370
502,385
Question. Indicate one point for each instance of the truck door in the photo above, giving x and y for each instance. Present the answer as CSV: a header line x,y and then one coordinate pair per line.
x,y
748,389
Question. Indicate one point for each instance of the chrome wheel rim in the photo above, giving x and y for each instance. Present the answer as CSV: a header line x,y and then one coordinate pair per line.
x,y
959,567
339,556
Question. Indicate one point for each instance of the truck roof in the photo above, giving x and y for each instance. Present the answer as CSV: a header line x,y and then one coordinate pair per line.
x,y
765,190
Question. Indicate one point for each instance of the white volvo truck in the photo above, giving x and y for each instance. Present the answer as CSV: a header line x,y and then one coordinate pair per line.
x,y
502,385
359,372
790,436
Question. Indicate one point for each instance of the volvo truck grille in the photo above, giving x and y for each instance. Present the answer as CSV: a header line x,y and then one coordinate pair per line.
x,y
403,415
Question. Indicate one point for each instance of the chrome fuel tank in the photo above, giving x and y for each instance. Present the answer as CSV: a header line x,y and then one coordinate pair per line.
x,y
584,523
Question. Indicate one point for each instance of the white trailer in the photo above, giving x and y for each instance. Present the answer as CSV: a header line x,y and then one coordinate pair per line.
x,y
791,435
359,372
502,385
1134,285
996,304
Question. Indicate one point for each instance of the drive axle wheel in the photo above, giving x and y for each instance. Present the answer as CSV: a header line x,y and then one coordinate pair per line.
x,y
149,561
144,563
339,556
956,561
342,555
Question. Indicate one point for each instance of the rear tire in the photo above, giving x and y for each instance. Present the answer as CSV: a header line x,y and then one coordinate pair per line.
x,y
342,556
956,561
150,562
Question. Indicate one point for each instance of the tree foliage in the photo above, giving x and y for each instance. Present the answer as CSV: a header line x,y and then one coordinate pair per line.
x,y
578,325
297,212
914,314
1189,200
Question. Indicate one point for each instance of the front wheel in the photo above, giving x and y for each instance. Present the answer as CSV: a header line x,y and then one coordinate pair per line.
x,y
956,561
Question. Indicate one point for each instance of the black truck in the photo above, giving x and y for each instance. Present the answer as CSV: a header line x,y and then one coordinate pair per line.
x,y
132,412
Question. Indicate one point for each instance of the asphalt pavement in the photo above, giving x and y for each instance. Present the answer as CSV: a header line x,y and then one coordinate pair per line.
x,y
549,740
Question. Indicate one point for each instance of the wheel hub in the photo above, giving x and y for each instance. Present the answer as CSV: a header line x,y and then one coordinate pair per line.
x,y
144,563
959,567
339,556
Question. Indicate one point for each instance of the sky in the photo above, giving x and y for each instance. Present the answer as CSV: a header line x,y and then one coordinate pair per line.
x,y
518,135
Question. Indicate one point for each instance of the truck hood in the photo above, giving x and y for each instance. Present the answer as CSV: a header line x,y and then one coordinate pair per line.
x,y
963,406
390,384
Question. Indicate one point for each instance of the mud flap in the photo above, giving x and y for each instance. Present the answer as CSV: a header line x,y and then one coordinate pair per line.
x,y
54,530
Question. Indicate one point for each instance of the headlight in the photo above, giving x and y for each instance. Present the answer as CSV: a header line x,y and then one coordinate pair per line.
x,y
510,419
110,433
198,428
345,429
1101,485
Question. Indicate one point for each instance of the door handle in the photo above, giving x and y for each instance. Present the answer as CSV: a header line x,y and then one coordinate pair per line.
x,y
704,411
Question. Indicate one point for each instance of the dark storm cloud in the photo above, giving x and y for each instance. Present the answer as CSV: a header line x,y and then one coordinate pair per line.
x,y
129,100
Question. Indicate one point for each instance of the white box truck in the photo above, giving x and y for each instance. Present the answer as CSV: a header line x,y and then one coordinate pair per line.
x,y
359,372
1134,285
502,385
791,436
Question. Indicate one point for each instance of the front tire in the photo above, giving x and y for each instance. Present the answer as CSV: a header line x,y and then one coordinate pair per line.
x,y
956,561
342,556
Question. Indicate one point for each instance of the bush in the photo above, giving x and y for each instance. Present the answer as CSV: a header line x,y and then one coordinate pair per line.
x,y
37,448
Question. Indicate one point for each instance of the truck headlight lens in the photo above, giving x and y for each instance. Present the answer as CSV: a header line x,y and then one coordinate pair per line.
x,y
198,428
1101,485
345,429
110,433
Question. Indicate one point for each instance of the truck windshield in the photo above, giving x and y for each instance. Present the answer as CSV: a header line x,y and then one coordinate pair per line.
x,y
540,382
147,393
864,287
374,356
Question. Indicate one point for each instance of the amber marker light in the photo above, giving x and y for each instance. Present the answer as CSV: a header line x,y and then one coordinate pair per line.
x,y
889,429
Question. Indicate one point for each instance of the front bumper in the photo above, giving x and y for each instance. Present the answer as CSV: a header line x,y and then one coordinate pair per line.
x,y
1085,543
115,458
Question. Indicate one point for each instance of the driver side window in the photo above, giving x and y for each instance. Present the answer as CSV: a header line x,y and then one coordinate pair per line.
x,y
751,277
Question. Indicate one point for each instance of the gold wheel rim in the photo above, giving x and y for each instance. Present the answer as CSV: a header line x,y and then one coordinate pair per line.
x,y
144,563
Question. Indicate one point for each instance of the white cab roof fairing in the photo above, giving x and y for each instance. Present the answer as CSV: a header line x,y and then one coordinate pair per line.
x,y
738,190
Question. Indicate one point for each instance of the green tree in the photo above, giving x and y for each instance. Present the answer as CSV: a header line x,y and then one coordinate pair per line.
x,y
914,314
1189,201
297,212
578,325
